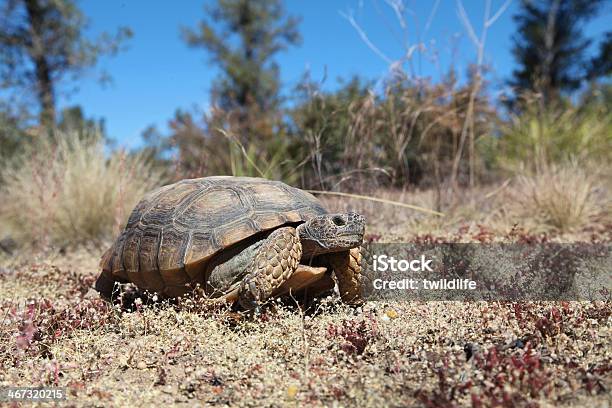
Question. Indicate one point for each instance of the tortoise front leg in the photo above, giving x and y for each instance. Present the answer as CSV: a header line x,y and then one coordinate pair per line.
x,y
348,271
274,262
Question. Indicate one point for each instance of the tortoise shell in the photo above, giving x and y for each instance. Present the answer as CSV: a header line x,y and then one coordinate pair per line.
x,y
173,231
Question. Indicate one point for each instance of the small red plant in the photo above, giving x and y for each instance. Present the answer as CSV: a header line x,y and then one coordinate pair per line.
x,y
356,334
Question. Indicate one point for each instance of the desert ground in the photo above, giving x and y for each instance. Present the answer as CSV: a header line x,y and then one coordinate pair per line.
x,y
486,122
56,331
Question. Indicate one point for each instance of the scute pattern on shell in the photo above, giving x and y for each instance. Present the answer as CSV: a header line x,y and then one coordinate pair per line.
x,y
175,229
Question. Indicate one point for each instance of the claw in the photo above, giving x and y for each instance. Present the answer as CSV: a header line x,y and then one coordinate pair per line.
x,y
250,296
251,305
253,290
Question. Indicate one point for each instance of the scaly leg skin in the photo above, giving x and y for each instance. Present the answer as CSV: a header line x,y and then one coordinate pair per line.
x,y
348,271
276,259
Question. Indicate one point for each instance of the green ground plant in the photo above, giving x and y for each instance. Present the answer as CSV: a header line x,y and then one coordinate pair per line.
x,y
539,137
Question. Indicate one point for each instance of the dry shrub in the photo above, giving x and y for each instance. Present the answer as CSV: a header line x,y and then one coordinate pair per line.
x,y
562,196
354,138
223,143
66,191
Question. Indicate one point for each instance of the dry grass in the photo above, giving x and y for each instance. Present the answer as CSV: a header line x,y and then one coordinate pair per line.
x,y
562,197
70,191
567,205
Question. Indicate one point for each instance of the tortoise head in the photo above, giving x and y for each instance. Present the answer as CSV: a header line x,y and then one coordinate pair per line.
x,y
331,233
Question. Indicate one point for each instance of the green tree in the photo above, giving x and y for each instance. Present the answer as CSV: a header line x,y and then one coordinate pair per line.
x,y
550,46
601,65
73,119
42,44
242,38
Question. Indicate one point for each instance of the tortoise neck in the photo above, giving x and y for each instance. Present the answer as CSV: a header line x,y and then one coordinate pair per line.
x,y
310,247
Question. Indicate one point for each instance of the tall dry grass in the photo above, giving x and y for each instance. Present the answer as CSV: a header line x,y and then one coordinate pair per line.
x,y
66,190
562,196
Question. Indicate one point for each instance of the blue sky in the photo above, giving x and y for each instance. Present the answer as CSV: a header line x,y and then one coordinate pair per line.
x,y
158,73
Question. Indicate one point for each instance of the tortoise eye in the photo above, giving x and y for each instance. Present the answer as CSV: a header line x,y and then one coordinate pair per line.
x,y
339,221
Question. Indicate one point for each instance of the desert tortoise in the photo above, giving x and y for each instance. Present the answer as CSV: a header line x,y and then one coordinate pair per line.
x,y
239,238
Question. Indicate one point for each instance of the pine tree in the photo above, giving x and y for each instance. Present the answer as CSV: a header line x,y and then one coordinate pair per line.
x,y
601,65
42,43
549,46
242,38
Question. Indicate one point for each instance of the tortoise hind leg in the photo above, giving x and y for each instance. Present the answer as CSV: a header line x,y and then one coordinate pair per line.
x,y
106,285
348,270
274,262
